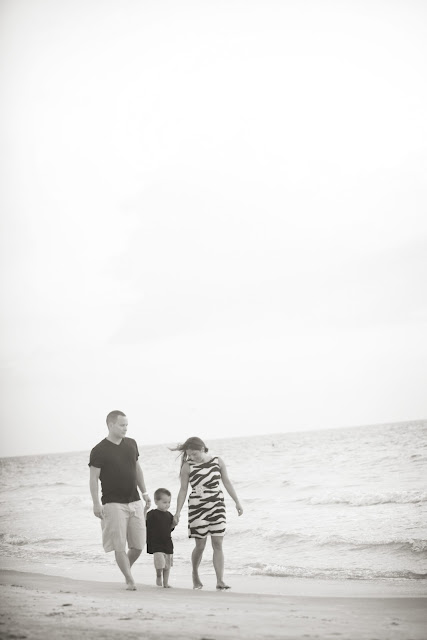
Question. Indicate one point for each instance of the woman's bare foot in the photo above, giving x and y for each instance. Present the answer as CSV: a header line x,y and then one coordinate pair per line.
x,y
197,584
167,586
159,581
130,585
221,586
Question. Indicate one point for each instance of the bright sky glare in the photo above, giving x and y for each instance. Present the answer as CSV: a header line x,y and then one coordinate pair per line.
x,y
213,217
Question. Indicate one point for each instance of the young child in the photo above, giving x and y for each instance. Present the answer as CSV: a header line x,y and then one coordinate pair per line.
x,y
159,541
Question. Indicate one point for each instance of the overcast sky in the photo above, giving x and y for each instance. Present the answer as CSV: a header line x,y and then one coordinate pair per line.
x,y
213,217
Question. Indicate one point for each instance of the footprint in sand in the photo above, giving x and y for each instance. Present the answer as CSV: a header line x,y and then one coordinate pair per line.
x,y
55,613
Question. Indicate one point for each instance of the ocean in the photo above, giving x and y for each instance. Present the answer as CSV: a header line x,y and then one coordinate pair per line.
x,y
334,504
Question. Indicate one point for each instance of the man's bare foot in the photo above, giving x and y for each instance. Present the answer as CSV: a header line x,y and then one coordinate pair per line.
x,y
130,585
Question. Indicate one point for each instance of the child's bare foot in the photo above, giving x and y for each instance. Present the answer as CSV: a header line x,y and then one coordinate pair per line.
x,y
130,585
159,581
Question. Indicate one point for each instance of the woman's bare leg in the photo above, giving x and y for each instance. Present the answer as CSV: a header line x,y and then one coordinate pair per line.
x,y
218,561
196,558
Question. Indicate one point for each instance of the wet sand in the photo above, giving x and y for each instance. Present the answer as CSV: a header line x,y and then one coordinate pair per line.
x,y
39,606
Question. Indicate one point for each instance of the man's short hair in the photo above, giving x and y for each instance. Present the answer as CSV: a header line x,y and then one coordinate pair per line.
x,y
160,492
113,415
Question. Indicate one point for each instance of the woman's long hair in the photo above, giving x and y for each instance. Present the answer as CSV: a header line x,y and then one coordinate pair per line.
x,y
191,443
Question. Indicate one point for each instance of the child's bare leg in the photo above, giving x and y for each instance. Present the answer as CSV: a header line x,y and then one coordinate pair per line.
x,y
166,573
196,558
159,573
159,563
218,561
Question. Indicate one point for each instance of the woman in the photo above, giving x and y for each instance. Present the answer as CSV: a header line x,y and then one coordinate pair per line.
x,y
206,507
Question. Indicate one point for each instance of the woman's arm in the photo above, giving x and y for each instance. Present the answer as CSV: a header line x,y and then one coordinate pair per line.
x,y
227,484
182,494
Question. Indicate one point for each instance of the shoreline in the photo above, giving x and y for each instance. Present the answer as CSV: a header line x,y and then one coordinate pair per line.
x,y
249,584
32,604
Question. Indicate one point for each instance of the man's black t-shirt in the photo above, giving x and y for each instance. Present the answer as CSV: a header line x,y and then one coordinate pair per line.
x,y
118,470
159,527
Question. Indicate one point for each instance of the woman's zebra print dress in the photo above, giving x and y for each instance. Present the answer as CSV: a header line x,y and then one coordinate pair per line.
x,y
206,507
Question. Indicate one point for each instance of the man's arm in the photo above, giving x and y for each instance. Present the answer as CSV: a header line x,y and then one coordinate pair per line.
x,y
94,490
141,485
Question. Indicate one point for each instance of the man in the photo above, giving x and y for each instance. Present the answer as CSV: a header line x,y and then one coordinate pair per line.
x,y
114,461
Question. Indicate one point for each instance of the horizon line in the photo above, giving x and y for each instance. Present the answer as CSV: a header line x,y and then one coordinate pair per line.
x,y
255,435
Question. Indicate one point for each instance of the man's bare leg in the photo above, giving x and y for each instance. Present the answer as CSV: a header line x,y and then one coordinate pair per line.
x,y
133,554
124,566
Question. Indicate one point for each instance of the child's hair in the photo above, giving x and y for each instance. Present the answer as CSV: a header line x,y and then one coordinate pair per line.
x,y
191,443
160,492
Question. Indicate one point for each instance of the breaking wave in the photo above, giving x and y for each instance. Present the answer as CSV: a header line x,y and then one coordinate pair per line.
x,y
17,540
330,574
32,485
413,545
366,499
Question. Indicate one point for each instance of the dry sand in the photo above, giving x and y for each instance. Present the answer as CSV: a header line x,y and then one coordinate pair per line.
x,y
39,606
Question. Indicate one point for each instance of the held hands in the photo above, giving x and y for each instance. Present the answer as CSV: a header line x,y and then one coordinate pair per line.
x,y
147,499
176,519
98,511
239,508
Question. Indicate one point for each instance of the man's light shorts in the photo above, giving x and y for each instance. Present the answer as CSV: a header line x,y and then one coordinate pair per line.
x,y
123,523
163,560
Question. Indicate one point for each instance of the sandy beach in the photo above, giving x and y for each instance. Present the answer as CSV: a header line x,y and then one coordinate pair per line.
x,y
36,605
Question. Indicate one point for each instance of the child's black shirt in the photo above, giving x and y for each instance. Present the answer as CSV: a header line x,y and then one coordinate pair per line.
x,y
159,527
